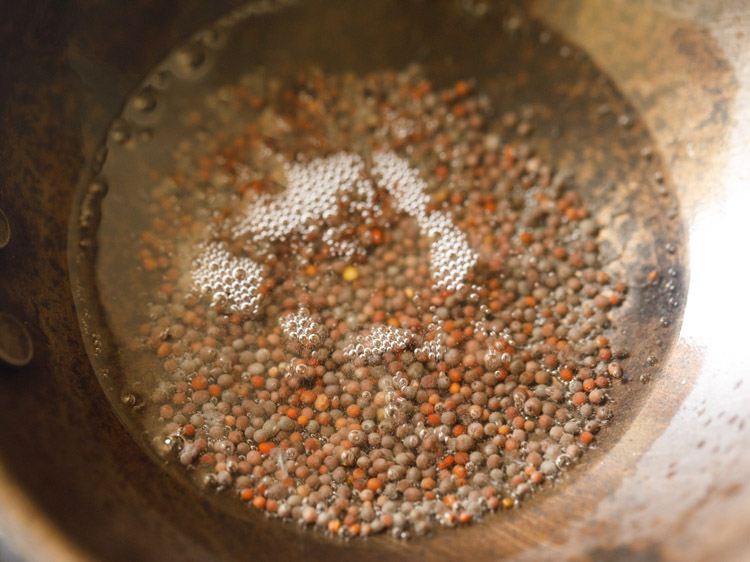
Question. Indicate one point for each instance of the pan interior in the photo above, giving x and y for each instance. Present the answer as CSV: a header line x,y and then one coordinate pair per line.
x,y
566,110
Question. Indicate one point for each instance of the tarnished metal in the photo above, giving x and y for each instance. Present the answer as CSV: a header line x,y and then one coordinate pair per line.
x,y
4,230
669,482
16,348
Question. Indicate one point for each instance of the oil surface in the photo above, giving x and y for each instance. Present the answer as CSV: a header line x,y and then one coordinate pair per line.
x,y
373,280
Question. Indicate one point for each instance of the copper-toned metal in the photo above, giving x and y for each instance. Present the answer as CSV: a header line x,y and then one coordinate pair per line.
x,y
669,478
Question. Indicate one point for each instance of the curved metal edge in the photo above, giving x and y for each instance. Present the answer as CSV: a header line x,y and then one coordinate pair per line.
x,y
27,534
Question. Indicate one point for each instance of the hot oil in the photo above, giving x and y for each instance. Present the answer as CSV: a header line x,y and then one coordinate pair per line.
x,y
377,280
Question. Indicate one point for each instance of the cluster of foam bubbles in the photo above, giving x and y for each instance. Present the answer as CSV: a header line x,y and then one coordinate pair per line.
x,y
340,245
403,183
377,341
451,257
313,193
231,282
434,349
317,191
300,327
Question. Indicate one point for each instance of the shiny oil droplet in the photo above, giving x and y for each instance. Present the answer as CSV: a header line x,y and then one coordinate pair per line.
x,y
16,348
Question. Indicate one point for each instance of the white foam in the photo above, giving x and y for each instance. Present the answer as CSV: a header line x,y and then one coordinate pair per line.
x,y
232,282
451,257
377,341
313,192
300,327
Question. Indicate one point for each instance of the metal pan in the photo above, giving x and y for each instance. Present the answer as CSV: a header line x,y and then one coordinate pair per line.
x,y
669,482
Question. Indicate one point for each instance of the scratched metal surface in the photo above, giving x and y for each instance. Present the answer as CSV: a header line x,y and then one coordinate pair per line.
x,y
667,483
